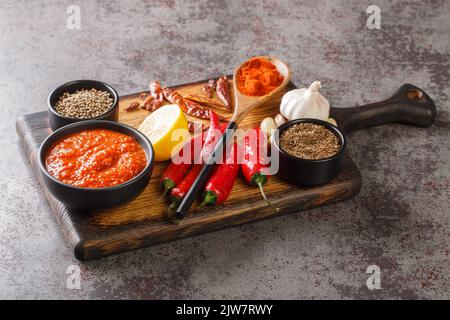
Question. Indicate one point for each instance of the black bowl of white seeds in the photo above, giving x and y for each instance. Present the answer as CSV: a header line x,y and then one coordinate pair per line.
x,y
82,100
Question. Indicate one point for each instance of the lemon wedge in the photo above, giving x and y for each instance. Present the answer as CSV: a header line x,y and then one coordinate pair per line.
x,y
167,129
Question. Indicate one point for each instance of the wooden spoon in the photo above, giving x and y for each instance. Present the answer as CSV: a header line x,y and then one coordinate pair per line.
x,y
243,105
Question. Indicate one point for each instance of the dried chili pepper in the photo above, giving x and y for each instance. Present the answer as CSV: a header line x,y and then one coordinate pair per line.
x,y
196,110
189,107
148,103
156,93
132,106
208,88
223,92
222,180
173,96
255,166
210,102
177,194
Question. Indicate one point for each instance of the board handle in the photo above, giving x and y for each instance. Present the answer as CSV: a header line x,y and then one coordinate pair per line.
x,y
409,105
204,174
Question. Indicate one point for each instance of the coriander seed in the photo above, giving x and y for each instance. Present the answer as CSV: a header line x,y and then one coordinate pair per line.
x,y
84,104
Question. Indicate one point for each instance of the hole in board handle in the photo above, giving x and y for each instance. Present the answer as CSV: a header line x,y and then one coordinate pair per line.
x,y
414,94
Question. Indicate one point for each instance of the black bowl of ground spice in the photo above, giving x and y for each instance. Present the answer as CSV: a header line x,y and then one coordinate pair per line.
x,y
81,100
310,151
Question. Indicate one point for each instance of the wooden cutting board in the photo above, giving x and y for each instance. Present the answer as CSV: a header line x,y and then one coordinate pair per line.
x,y
143,222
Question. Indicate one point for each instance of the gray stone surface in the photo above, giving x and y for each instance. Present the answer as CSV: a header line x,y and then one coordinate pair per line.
x,y
399,221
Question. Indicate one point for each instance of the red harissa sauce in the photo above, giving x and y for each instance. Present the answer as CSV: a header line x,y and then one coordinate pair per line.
x,y
96,158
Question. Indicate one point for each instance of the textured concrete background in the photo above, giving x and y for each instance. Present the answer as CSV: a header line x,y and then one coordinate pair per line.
x,y
400,220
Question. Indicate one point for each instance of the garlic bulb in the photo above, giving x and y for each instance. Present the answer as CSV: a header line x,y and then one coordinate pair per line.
x,y
279,120
305,103
268,126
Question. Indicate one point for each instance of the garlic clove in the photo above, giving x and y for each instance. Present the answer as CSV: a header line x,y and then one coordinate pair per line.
x,y
268,126
332,121
279,120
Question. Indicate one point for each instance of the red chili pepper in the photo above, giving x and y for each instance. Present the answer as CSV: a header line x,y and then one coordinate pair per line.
x,y
176,171
254,166
214,132
222,179
223,127
177,194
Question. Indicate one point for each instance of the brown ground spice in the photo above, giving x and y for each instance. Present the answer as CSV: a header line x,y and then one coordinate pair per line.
x,y
309,141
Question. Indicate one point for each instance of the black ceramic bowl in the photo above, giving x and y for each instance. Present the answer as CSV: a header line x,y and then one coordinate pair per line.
x,y
57,121
308,172
87,199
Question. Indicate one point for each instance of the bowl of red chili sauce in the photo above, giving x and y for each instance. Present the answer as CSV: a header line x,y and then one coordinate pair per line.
x,y
95,164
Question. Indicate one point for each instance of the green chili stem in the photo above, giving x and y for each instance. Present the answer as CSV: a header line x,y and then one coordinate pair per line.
x,y
172,209
210,199
166,190
168,185
259,180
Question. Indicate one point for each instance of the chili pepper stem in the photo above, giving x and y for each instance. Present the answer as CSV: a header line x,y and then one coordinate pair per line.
x,y
202,205
210,198
171,210
163,196
260,185
168,185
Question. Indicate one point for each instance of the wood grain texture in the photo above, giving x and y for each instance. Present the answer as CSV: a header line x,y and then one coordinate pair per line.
x,y
142,222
